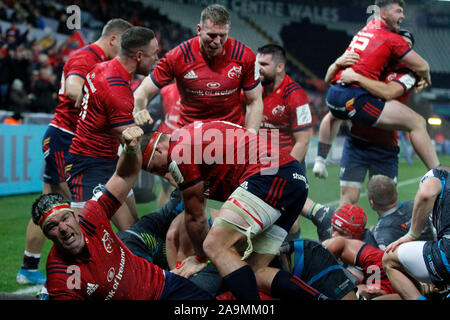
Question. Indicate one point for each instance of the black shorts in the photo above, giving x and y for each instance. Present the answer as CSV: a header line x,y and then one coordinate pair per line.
x,y
317,266
355,103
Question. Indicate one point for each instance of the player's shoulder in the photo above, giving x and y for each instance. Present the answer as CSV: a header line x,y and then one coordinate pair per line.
x,y
184,51
291,88
238,51
435,173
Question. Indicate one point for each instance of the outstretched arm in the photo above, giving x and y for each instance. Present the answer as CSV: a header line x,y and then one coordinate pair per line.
x,y
146,90
428,191
129,165
419,65
197,226
254,112
346,249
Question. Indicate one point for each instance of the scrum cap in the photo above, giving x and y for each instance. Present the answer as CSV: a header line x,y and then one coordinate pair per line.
x,y
350,219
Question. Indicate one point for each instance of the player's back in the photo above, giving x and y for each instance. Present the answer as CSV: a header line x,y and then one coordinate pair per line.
x,y
376,45
107,104
222,155
79,64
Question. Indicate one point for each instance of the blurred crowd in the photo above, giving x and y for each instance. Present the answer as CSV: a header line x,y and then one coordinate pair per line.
x,y
31,68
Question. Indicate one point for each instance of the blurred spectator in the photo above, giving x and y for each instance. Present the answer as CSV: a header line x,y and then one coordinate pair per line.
x,y
18,98
15,119
6,68
3,13
44,91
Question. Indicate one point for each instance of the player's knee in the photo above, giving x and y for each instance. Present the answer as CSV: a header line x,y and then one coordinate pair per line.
x,y
211,246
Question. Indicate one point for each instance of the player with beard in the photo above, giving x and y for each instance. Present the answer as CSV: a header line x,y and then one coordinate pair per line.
x,y
378,44
60,132
106,110
88,261
286,105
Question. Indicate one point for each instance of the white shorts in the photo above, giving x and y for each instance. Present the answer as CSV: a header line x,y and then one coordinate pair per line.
x,y
410,255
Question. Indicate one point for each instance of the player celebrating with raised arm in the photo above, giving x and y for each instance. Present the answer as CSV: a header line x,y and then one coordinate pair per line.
x,y
106,111
88,261
377,44
210,71
61,130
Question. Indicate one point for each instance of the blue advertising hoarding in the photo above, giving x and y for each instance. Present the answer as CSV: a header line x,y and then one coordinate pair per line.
x,y
21,159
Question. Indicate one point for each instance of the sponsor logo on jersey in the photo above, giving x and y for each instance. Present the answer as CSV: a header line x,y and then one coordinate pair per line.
x,y
91,288
110,275
213,85
191,75
107,241
235,72
278,110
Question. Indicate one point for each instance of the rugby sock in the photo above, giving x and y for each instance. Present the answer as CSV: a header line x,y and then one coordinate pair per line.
x,y
323,149
421,298
285,285
30,260
242,283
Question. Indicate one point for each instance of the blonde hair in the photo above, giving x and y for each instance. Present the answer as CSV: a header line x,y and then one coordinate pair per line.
x,y
217,13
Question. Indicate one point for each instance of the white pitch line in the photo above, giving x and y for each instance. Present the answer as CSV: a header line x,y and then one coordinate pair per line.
x,y
30,290
364,194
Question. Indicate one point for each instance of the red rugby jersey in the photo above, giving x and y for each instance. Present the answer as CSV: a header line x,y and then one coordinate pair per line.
x,y
287,109
369,259
222,155
171,107
209,88
107,103
380,137
79,64
111,271
376,45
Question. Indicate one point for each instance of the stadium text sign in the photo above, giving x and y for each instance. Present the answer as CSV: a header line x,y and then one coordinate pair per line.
x,y
21,158
274,8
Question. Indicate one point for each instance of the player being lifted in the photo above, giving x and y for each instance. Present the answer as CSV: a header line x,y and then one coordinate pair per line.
x,y
378,44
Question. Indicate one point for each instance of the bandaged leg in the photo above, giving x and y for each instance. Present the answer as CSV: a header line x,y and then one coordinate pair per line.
x,y
256,213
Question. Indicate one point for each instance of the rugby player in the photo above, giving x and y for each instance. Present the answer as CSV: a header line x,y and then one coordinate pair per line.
x,y
58,137
378,44
407,259
210,71
88,261
222,161
106,111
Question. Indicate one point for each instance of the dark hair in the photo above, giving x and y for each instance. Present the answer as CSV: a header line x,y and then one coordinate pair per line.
x,y
217,13
115,26
42,204
277,52
407,34
385,3
135,38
